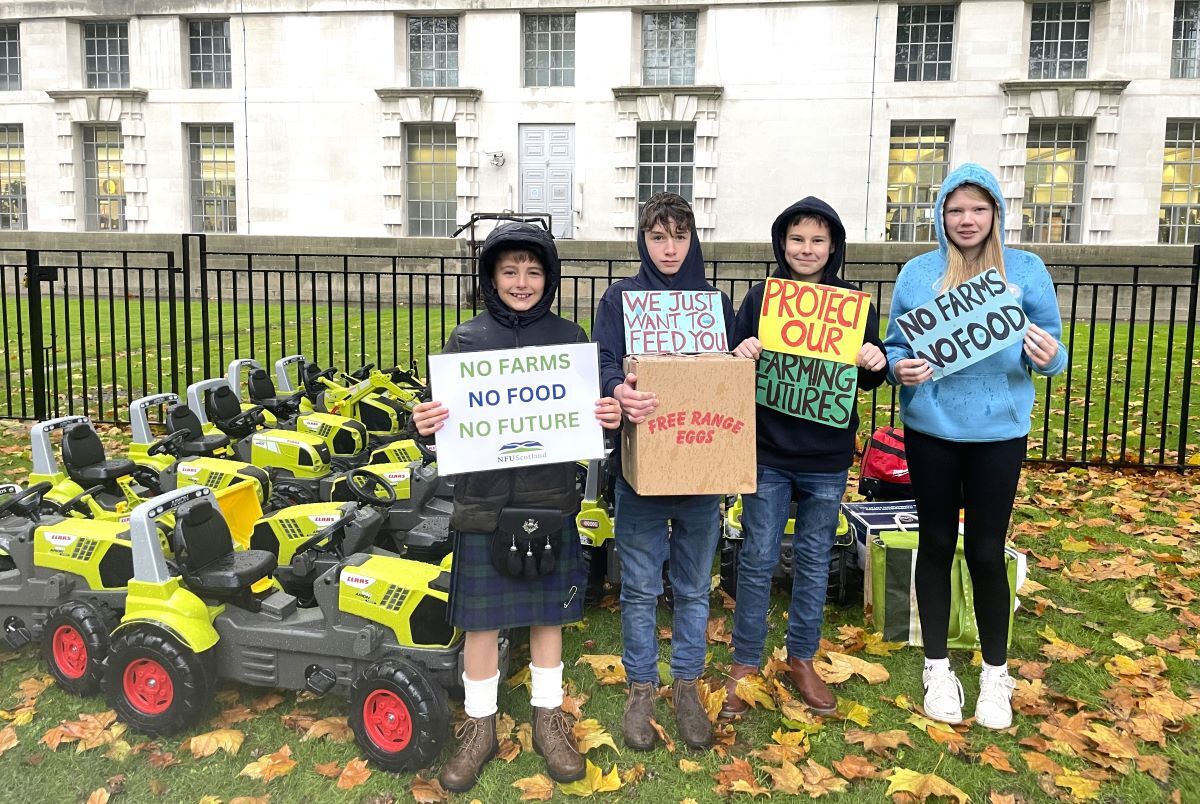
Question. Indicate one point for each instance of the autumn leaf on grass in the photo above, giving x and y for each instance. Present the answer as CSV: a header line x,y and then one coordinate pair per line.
x,y
882,743
335,728
852,766
525,737
535,788
954,742
355,773
330,770
753,690
266,702
789,746
668,743
687,766
508,750
8,738
90,731
854,712
786,779
1127,642
715,632
606,667
427,791
633,775
298,720
923,785
876,646
524,676
264,799
1082,789
1059,649
1040,763
271,766
819,780
593,781
738,777
205,745
232,716
590,734
30,688
713,698
994,755
1111,743
838,667
1156,766
99,796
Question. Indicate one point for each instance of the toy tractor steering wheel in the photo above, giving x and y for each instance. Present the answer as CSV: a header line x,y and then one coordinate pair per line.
x,y
362,372
327,539
370,489
76,502
169,444
247,418
315,379
24,502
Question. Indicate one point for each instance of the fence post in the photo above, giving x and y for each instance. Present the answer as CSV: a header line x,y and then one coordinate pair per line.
x,y
37,363
205,333
1189,351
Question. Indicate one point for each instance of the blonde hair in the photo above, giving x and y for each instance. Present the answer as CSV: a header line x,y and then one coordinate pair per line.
x,y
958,268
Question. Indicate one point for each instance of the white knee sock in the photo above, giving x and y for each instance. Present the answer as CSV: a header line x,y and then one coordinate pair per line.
x,y
479,697
547,686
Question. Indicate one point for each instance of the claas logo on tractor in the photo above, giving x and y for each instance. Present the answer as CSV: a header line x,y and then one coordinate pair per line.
x,y
60,540
321,520
396,476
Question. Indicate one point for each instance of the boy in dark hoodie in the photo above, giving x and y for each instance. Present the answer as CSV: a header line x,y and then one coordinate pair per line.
x,y
671,260
518,278
797,459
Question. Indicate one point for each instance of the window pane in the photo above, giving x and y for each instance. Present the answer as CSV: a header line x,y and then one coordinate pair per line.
x,y
1059,38
12,178
103,178
430,171
920,30
665,159
10,58
1055,165
213,178
208,41
106,55
918,160
669,48
433,51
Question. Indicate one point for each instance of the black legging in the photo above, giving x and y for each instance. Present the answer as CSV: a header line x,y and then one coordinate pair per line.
x,y
980,477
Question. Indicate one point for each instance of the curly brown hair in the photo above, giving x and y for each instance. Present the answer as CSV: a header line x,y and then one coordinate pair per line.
x,y
668,209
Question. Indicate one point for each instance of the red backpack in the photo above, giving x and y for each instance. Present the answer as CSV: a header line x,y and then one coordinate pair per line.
x,y
883,474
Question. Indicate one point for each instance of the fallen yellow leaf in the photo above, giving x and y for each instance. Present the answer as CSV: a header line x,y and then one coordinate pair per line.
x,y
593,781
271,766
355,773
923,785
535,788
590,734
205,745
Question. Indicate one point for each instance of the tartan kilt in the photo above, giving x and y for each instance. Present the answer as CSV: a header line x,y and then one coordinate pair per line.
x,y
481,599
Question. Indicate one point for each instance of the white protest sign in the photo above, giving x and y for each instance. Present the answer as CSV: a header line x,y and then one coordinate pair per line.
x,y
685,321
517,407
965,324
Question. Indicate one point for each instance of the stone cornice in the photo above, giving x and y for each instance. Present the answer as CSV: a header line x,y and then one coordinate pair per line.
x,y
398,93
73,94
1114,86
698,91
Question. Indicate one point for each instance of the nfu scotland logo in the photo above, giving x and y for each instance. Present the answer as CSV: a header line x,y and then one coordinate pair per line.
x,y
520,452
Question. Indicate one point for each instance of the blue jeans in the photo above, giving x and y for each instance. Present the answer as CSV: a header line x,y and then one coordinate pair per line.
x,y
642,547
764,517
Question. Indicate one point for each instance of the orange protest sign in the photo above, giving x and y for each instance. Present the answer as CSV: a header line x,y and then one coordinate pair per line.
x,y
803,318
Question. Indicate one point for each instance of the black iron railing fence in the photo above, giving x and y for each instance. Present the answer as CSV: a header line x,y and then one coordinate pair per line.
x,y
87,331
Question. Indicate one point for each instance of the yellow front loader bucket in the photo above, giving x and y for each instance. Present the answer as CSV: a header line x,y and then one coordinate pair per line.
x,y
239,503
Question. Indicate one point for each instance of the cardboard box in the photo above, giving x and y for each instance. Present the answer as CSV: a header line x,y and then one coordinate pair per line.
x,y
701,438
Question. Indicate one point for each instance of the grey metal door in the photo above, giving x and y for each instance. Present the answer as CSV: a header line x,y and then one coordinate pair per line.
x,y
547,173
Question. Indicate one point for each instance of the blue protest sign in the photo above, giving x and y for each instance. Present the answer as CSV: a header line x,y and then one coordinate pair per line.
x,y
684,321
965,324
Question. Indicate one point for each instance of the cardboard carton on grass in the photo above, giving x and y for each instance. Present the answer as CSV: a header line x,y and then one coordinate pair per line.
x,y
700,438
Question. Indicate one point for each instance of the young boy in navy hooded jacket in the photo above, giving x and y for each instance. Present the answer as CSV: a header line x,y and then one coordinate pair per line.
x,y
671,260
799,459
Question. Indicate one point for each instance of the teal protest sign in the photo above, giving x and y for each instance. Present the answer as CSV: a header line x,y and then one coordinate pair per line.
x,y
806,387
683,321
965,324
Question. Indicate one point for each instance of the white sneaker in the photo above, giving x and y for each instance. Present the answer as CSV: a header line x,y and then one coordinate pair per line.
x,y
993,710
943,696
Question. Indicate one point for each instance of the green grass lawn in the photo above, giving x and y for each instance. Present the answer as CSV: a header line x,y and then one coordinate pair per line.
x,y
1078,526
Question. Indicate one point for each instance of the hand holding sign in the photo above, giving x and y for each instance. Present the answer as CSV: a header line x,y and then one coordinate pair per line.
x,y
963,326
683,321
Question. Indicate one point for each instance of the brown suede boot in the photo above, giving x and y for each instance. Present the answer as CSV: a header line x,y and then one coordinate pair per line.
x,y
734,705
639,711
476,746
552,739
812,689
691,719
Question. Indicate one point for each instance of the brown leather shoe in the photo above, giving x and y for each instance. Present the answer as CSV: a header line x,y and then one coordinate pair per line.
x,y
812,689
639,711
552,739
691,719
734,705
476,746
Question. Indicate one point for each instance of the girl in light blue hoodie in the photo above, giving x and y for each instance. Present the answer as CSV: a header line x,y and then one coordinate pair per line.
x,y
965,435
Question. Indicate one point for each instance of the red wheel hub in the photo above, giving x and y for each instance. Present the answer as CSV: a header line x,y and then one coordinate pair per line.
x,y
69,651
387,721
148,686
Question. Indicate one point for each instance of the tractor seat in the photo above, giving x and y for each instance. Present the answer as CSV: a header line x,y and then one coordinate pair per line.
x,y
262,392
183,419
223,406
85,461
210,566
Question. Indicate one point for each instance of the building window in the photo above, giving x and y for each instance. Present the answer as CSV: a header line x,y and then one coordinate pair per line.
x,y
1058,40
10,57
669,48
208,48
1055,162
918,160
433,51
12,178
214,190
106,55
1185,40
549,42
924,43
1179,215
430,168
103,178
666,156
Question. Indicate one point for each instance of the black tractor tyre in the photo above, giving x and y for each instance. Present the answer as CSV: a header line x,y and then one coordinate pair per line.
x,y
76,644
595,564
400,719
143,661
731,550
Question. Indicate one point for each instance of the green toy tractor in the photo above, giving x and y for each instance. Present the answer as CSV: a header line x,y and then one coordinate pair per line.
x,y
377,634
380,400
